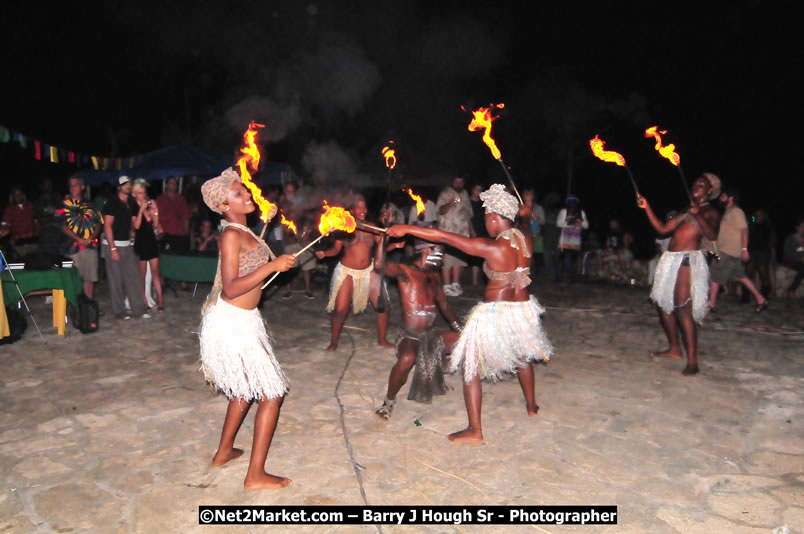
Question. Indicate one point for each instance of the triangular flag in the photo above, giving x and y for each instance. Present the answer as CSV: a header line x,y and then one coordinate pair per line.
x,y
105,164
118,164
131,162
22,140
5,135
54,154
37,149
95,162
71,156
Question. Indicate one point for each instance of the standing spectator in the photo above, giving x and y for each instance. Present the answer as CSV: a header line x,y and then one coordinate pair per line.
x,y
571,221
175,216
761,244
306,261
146,226
429,215
454,215
290,195
732,244
551,234
478,230
794,255
82,224
118,254
22,226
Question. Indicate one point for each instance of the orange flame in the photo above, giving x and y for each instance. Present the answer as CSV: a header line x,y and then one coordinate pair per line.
x,y
336,218
287,222
390,156
597,145
482,118
419,202
251,157
668,151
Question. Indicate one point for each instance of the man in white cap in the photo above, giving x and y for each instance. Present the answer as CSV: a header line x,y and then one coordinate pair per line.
x,y
122,269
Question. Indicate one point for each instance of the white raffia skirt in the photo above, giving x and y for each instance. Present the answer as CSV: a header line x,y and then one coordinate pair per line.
x,y
236,353
500,337
664,282
361,279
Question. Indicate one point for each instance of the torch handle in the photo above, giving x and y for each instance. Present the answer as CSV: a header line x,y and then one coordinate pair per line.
x,y
372,227
508,174
633,182
264,227
297,254
684,181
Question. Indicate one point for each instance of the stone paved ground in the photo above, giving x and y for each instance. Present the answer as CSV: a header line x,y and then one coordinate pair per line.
x,y
113,431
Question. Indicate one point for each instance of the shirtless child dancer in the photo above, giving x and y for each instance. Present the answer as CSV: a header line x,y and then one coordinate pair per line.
x,y
353,281
420,343
681,284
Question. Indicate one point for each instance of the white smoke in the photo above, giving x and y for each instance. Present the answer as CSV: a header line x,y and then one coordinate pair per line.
x,y
279,119
328,163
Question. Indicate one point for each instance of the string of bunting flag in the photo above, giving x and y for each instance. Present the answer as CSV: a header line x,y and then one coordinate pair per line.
x,y
45,152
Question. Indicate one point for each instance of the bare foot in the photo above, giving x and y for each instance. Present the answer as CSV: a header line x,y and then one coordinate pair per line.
x,y
384,343
332,348
221,458
265,481
690,370
468,435
667,354
533,411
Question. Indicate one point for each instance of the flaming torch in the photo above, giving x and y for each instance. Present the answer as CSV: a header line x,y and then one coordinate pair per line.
x,y
419,202
668,152
251,158
333,218
597,145
482,119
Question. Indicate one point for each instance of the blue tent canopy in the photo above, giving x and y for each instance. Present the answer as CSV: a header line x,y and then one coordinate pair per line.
x,y
184,160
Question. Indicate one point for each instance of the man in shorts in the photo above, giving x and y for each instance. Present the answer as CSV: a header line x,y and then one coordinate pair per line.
x,y
732,245
82,225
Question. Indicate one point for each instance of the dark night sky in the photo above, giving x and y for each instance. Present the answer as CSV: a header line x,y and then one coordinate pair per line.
x,y
334,81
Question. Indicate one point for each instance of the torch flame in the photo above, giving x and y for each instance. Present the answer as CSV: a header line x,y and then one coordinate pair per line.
x,y
668,151
287,222
482,118
597,145
336,218
390,156
251,157
419,201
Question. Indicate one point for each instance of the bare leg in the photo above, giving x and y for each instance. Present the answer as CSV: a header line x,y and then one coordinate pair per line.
x,y
143,271
749,285
264,427
89,288
157,282
450,338
456,273
685,320
473,398
670,326
399,373
713,291
308,276
384,317
528,384
475,276
446,274
342,304
235,413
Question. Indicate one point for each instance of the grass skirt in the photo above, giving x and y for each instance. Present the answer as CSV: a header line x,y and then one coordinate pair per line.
x,y
236,353
360,286
664,282
428,378
500,337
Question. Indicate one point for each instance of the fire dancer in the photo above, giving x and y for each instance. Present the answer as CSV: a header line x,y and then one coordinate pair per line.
x,y
681,283
353,279
236,353
504,333
420,343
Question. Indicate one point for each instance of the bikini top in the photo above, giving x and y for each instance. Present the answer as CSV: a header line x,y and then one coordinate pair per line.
x,y
519,278
249,261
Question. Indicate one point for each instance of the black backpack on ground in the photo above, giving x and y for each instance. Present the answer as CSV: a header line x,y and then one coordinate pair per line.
x,y
17,324
86,317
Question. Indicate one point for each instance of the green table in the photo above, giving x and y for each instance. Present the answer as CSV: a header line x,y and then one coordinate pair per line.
x,y
188,267
67,280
